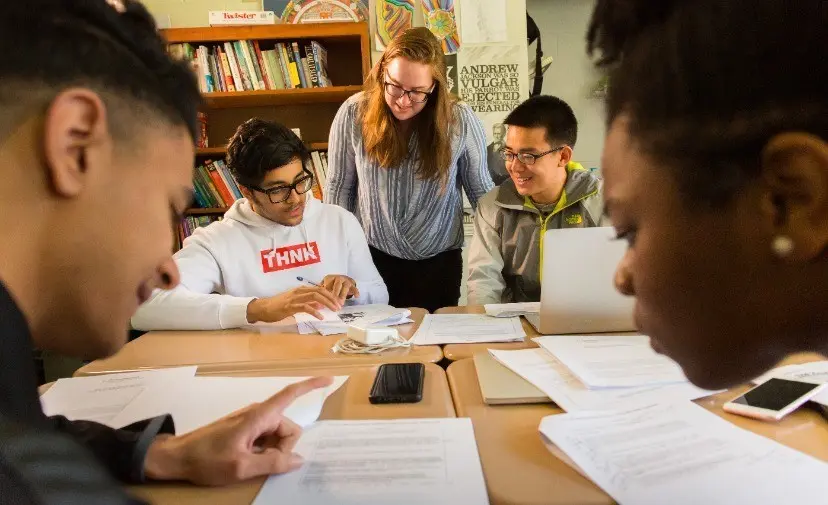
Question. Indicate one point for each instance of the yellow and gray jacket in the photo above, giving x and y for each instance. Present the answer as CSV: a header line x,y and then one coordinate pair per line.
x,y
506,251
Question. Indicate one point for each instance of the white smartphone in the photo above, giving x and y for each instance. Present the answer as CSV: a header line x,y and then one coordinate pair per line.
x,y
773,399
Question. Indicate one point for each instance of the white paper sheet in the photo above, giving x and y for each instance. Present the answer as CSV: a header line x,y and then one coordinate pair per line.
x,y
305,322
467,328
512,309
335,323
549,375
199,401
816,372
400,462
482,21
682,454
101,398
606,361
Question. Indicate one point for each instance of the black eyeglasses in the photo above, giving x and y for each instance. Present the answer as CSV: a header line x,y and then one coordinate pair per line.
x,y
397,92
525,158
280,194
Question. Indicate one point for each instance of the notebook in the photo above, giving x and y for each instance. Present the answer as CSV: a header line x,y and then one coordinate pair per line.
x,y
501,386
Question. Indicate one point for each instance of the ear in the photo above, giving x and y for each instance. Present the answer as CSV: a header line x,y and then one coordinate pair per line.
x,y
75,123
566,156
246,192
795,170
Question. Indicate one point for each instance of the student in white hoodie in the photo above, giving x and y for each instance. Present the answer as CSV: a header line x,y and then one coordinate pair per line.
x,y
246,267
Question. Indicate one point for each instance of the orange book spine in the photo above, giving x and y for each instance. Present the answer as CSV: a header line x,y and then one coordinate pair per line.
x,y
222,188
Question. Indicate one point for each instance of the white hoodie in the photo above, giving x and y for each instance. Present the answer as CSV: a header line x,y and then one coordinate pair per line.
x,y
247,256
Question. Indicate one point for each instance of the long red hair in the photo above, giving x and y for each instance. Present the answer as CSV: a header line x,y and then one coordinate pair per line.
x,y
382,137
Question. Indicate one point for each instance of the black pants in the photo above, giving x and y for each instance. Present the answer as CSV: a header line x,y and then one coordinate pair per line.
x,y
430,284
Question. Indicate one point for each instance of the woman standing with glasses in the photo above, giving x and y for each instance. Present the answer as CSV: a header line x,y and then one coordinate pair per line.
x,y
399,154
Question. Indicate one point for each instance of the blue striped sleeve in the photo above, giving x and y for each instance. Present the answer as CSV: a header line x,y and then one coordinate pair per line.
x,y
471,165
341,188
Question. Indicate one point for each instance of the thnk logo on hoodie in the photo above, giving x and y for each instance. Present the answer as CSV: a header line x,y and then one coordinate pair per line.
x,y
292,256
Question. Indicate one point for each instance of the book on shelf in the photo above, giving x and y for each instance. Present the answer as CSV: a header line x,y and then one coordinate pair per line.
x,y
245,65
215,187
202,141
314,166
190,223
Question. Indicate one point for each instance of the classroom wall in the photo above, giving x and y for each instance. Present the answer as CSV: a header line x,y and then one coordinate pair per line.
x,y
187,13
563,26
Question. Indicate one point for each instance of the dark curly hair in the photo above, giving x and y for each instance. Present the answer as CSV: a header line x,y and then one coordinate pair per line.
x,y
707,83
111,47
259,146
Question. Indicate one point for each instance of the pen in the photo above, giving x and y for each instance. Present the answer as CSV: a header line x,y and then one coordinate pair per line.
x,y
302,279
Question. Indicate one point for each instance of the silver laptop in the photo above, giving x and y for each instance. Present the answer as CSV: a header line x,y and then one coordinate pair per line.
x,y
577,290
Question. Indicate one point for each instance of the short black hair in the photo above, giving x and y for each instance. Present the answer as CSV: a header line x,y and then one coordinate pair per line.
x,y
109,46
705,84
259,146
550,113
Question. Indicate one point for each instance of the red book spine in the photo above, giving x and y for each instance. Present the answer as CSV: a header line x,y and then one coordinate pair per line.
x,y
222,188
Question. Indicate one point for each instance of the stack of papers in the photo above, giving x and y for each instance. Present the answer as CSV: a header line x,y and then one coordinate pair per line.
x,y
613,361
118,400
102,398
547,373
512,309
467,329
816,372
334,323
404,462
682,454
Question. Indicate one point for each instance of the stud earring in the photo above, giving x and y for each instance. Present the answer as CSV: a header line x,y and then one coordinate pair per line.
x,y
782,246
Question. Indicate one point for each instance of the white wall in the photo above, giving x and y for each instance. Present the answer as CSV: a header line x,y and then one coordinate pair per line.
x,y
188,13
563,26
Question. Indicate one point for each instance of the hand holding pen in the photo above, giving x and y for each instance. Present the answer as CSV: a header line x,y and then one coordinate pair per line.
x,y
341,286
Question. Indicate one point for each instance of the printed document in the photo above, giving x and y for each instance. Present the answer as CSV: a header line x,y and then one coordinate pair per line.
x,y
607,361
546,373
101,398
335,323
681,454
467,329
201,400
400,462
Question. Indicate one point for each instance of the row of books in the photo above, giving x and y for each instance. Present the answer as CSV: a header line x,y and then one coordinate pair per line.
x,y
319,166
244,66
214,185
189,224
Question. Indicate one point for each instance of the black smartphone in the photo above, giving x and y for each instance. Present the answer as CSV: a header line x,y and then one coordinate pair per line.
x,y
398,383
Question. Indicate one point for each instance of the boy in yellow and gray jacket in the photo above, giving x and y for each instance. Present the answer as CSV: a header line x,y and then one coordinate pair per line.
x,y
546,190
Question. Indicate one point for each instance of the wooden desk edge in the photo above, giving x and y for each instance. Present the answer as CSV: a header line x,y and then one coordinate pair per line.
x,y
434,356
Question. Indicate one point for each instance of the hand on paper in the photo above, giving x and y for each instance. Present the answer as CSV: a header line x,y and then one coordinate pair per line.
x,y
302,299
341,286
257,440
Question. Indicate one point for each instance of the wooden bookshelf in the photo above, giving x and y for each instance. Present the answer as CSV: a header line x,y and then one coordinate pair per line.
x,y
210,151
312,110
221,151
335,94
205,212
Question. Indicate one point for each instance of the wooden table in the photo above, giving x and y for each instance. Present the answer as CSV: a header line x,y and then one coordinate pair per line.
x,y
456,352
243,349
349,402
520,470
